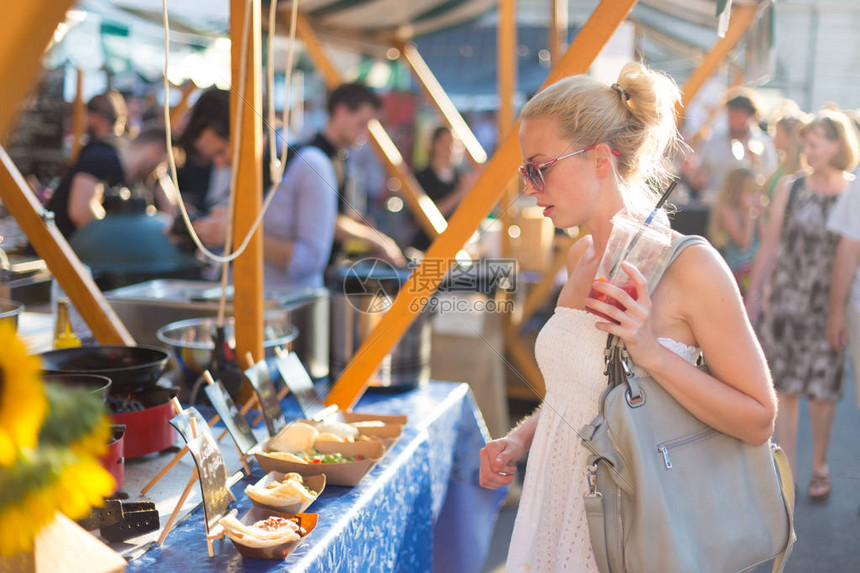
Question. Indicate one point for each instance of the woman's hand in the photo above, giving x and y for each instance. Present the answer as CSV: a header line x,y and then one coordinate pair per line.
x,y
497,462
836,331
634,323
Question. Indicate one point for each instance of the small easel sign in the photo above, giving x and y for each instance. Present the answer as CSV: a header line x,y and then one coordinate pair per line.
x,y
298,382
233,418
258,376
210,471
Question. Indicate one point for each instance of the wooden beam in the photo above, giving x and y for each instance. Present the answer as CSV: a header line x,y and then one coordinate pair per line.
x,y
526,366
558,28
506,72
25,30
61,259
79,116
422,207
440,99
248,268
583,50
743,16
178,111
539,293
317,53
425,210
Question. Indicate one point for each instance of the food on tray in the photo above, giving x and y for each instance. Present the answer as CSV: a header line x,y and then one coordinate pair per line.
x,y
286,457
296,437
345,431
282,493
313,457
329,437
369,424
265,533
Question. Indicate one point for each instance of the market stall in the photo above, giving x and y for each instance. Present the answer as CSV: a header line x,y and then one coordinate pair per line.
x,y
419,508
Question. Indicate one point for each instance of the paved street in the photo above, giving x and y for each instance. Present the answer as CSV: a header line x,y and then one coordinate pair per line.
x,y
828,532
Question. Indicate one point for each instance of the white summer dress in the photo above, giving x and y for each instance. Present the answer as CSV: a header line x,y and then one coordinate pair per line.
x,y
551,533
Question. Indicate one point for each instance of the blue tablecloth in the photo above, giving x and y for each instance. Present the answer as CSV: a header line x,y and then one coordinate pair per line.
x,y
420,509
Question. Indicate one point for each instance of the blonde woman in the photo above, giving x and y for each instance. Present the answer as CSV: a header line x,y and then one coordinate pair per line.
x,y
789,145
796,258
587,149
735,226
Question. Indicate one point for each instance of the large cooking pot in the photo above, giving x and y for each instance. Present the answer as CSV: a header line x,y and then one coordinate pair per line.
x,y
9,311
130,368
192,340
361,293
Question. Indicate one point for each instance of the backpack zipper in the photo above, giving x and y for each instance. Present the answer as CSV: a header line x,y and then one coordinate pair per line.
x,y
666,446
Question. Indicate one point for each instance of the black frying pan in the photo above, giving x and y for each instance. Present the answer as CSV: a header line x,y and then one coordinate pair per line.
x,y
130,368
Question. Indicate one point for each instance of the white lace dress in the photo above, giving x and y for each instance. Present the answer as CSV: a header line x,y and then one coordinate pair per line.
x,y
551,533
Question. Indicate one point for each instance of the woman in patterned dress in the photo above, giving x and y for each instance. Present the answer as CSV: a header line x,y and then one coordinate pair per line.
x,y
796,257
588,149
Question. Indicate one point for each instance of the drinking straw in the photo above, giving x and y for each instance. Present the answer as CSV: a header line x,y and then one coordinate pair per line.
x,y
641,230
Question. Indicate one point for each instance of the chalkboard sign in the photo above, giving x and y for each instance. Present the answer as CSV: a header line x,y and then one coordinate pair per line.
x,y
182,423
299,382
258,376
35,142
211,470
236,423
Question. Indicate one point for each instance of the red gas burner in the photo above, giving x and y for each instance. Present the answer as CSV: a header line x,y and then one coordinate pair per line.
x,y
146,416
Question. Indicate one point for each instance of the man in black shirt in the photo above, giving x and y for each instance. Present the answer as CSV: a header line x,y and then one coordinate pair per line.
x,y
100,165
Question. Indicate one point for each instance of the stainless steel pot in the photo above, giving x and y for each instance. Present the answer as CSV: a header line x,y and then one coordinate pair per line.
x,y
360,296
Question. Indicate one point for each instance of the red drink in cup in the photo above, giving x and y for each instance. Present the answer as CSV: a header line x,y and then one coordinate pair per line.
x,y
634,242
629,288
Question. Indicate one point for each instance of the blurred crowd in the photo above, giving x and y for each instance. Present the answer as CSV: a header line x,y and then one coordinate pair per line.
x,y
784,211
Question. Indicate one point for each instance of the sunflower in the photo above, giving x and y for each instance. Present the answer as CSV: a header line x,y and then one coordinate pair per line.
x,y
22,397
42,483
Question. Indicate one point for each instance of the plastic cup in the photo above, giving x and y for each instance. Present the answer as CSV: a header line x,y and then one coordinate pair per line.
x,y
645,247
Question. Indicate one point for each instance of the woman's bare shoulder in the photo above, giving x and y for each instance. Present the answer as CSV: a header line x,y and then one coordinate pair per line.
x,y
577,251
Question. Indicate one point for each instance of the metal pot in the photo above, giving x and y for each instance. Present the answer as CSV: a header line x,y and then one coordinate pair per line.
x,y
360,295
9,311
98,385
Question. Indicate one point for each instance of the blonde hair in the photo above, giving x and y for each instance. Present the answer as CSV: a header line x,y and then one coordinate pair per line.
x,y
835,126
635,116
792,124
737,182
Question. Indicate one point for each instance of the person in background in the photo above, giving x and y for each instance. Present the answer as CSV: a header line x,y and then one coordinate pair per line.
x,y
100,165
107,116
304,218
789,145
843,320
441,181
739,144
204,175
735,225
797,258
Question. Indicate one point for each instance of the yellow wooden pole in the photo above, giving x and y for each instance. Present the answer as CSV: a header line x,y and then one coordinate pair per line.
x,y
61,259
426,278
743,16
443,103
507,86
557,29
78,117
248,268
179,110
25,30
426,213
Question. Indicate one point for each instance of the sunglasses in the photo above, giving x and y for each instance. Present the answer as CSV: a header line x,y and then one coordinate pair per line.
x,y
532,173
